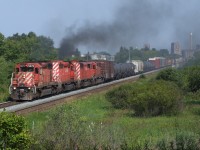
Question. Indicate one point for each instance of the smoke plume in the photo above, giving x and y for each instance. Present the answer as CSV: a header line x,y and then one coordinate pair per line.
x,y
136,22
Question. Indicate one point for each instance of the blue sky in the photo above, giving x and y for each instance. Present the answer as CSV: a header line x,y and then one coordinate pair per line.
x,y
105,24
52,17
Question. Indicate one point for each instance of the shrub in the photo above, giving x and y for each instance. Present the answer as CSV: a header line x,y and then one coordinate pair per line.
x,y
170,74
194,78
119,96
148,98
160,97
13,133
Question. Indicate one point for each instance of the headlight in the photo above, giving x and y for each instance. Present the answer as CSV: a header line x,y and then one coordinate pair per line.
x,y
29,88
14,88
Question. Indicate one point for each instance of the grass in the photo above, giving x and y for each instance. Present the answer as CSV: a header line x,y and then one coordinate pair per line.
x,y
121,123
97,109
4,93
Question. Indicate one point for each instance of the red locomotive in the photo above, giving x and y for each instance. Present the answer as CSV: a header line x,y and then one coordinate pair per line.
x,y
32,80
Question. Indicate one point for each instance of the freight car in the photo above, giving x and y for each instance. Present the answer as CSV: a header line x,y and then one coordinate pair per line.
x,y
148,66
122,70
139,66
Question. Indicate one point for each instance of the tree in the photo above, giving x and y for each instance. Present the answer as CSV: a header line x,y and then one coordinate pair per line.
x,y
2,41
122,56
104,53
13,133
164,53
29,48
43,49
135,54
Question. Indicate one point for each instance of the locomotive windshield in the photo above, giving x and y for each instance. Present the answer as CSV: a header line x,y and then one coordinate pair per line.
x,y
27,69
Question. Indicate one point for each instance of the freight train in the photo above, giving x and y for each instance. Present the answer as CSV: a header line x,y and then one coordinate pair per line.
x,y
32,80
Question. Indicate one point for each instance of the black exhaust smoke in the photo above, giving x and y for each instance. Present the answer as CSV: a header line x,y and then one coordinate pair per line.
x,y
137,22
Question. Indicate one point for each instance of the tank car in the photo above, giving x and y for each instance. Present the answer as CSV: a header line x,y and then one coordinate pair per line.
x,y
122,70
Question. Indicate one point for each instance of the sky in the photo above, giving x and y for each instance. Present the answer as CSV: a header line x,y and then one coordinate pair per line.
x,y
52,17
104,25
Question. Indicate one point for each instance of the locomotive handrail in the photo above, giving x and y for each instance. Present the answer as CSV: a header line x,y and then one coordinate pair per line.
x,y
34,89
11,84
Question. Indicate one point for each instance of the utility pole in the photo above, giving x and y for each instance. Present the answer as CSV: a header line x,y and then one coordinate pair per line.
x,y
88,56
191,41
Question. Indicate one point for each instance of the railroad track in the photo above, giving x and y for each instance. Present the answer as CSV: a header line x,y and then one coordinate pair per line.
x,y
8,104
47,103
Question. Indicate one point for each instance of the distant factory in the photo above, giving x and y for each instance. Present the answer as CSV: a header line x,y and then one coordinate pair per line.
x,y
175,48
187,53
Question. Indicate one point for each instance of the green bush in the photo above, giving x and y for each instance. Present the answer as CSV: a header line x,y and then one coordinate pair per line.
x,y
170,74
13,132
191,78
194,78
160,97
119,97
148,99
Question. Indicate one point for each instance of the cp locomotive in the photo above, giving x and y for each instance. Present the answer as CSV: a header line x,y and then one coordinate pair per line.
x,y
32,80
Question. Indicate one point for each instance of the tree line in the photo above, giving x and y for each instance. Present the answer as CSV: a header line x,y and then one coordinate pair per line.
x,y
140,54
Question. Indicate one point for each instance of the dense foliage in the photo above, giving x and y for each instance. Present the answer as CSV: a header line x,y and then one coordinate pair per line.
x,y
194,78
120,97
148,98
170,74
13,132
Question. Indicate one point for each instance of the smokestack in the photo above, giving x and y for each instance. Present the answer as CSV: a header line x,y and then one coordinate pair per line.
x,y
191,41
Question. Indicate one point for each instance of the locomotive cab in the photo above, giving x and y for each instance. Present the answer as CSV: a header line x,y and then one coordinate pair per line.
x,y
23,81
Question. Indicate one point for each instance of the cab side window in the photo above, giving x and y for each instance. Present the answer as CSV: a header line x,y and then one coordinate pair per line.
x,y
36,71
88,65
72,68
81,65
